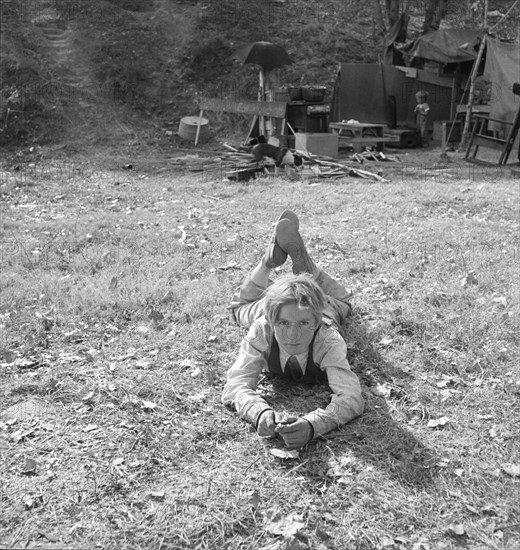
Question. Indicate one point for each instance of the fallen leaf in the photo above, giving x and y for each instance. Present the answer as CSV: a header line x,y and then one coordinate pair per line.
x,y
292,543
168,297
29,468
112,285
198,397
469,279
19,435
48,536
435,423
183,233
456,529
286,526
7,356
511,469
148,405
90,427
501,300
25,363
381,390
32,502
187,363
156,316
89,397
284,453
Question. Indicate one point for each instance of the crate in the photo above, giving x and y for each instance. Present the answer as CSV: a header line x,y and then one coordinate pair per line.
x,y
317,143
442,128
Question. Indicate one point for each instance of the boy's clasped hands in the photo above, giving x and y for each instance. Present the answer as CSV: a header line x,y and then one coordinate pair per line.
x,y
295,432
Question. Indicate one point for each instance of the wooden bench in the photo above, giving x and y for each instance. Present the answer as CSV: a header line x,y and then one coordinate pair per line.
x,y
361,133
274,109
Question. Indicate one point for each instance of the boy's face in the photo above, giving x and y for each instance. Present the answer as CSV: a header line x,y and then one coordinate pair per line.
x,y
295,328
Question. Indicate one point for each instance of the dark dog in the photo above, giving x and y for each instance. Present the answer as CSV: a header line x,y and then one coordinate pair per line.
x,y
259,139
281,155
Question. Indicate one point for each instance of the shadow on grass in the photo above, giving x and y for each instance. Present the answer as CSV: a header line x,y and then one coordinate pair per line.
x,y
376,441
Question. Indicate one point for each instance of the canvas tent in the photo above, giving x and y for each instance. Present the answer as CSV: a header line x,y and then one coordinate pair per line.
x,y
380,93
443,46
386,93
502,69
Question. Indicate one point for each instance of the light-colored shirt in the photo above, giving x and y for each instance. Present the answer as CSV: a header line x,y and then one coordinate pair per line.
x,y
422,109
329,354
302,359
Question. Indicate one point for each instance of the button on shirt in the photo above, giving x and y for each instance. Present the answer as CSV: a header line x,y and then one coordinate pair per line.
x,y
329,354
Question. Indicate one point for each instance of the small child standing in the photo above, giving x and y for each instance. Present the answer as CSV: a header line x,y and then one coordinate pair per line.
x,y
293,333
422,112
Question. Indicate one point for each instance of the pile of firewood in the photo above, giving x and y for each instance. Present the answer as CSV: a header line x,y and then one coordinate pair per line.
x,y
377,156
326,167
235,163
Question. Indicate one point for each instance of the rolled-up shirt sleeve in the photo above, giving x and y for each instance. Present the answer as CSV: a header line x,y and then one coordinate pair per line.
x,y
330,353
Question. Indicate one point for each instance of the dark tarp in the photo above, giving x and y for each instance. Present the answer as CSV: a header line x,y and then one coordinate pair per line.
x,y
396,35
386,94
443,46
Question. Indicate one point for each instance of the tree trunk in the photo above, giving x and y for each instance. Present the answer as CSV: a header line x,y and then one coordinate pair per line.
x,y
435,11
392,8
379,20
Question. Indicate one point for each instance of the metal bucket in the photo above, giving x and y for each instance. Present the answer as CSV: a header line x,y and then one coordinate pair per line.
x,y
188,127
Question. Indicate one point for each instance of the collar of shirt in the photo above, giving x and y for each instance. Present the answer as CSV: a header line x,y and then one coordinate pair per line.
x,y
302,359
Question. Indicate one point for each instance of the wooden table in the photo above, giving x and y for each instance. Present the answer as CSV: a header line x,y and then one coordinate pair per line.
x,y
360,134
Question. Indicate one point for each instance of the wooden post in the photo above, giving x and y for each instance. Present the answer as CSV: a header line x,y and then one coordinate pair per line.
x,y
198,126
261,124
251,128
465,132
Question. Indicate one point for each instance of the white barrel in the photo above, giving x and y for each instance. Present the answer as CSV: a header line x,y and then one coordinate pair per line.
x,y
188,127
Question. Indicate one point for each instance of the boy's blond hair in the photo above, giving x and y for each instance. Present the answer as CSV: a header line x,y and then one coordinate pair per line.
x,y
301,290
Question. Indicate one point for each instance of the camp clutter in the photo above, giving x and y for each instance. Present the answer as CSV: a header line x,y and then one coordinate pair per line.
x,y
236,164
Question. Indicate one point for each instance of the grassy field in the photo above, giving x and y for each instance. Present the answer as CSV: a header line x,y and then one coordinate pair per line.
x,y
116,340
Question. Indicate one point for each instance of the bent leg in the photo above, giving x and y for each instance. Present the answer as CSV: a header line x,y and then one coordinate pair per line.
x,y
247,303
338,306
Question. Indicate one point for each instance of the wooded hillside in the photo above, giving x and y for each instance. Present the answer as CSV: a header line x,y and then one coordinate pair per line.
x,y
89,66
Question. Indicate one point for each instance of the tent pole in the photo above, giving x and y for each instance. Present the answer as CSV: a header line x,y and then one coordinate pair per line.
x,y
261,97
471,97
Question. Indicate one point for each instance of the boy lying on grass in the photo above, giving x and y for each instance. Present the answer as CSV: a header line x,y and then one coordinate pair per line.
x,y
293,333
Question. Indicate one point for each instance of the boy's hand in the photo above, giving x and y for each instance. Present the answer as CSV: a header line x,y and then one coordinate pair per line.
x,y
266,426
295,432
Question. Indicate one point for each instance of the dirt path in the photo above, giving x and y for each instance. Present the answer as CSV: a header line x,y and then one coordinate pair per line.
x,y
92,116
